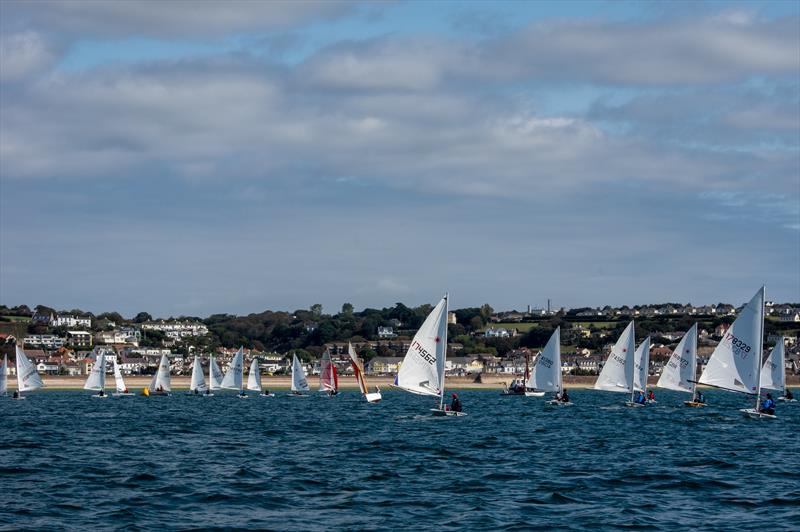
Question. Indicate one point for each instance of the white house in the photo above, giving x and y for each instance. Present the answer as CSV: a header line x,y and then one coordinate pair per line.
x,y
66,320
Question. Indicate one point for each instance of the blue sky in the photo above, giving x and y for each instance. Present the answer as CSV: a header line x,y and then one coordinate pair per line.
x,y
233,157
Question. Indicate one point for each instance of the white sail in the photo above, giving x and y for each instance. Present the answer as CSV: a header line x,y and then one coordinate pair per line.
x,y
299,382
735,364
422,371
617,373
546,372
641,364
162,380
773,372
119,382
97,377
234,378
153,381
4,376
254,378
214,374
198,381
27,377
679,373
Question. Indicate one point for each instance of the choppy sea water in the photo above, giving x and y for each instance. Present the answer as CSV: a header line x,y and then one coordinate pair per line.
x,y
173,463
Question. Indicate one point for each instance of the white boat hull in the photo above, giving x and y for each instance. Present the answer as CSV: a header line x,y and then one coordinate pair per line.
x,y
534,394
446,413
98,396
755,414
297,395
266,395
123,394
785,400
560,403
633,405
373,397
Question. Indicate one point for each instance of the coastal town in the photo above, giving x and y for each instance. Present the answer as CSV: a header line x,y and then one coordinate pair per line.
x,y
483,344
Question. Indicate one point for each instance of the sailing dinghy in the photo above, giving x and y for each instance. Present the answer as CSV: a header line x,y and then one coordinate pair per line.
x,y
679,374
254,380
735,364
97,378
546,373
358,369
197,385
27,377
641,364
422,372
328,379
773,372
161,384
214,377
4,376
299,381
119,383
617,373
234,378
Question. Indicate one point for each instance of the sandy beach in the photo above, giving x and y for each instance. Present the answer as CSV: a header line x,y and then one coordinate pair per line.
x,y
489,382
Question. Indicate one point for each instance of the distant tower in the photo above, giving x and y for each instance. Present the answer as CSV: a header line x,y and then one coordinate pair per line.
x,y
529,309
548,305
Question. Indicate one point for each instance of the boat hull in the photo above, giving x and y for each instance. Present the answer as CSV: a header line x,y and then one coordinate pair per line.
x,y
98,396
559,403
785,400
373,397
297,395
755,414
122,394
694,404
266,395
534,394
438,412
631,404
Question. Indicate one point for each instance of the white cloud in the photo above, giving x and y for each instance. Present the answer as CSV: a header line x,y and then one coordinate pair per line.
x,y
24,54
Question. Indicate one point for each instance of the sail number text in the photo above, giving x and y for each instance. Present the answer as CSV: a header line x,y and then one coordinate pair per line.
x,y
426,356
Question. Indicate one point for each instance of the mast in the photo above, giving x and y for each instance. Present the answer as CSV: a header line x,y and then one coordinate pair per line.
x,y
759,351
694,373
444,356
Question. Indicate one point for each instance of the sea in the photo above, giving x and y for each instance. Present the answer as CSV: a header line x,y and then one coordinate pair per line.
x,y
70,462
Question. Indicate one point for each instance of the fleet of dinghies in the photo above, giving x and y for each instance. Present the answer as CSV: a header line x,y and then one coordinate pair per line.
x,y
735,365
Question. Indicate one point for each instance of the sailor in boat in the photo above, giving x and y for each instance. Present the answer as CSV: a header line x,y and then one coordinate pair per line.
x,y
564,396
699,397
651,396
15,395
208,391
788,395
768,406
455,403
640,399
102,393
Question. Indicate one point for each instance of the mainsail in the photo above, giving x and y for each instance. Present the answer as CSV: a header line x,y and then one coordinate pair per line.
x,y
4,376
641,363
198,382
254,377
773,372
422,371
546,373
27,377
234,378
214,374
97,377
679,373
735,364
617,373
161,380
358,368
299,382
120,384
328,380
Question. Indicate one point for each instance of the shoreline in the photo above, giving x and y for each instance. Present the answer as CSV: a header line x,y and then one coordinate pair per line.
x,y
181,382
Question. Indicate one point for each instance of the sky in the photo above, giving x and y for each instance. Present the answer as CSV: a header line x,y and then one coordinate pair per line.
x,y
209,157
